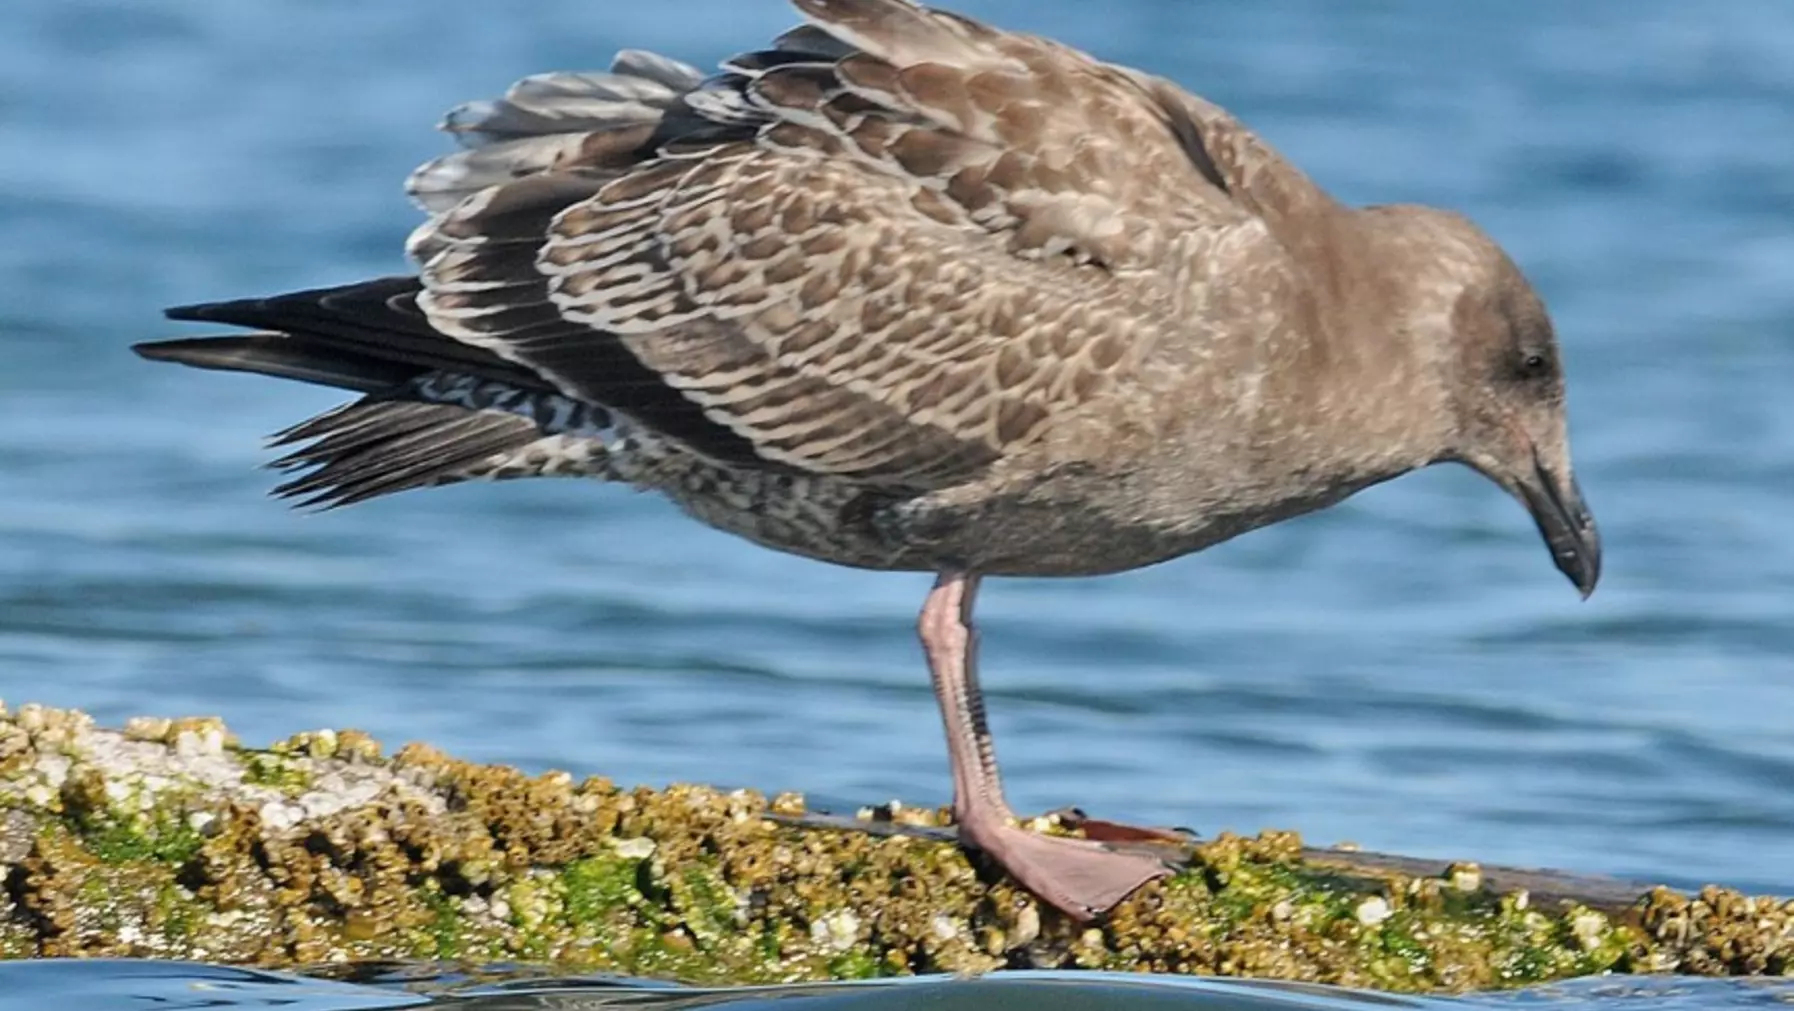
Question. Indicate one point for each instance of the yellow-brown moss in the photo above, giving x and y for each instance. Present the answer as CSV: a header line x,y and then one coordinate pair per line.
x,y
170,840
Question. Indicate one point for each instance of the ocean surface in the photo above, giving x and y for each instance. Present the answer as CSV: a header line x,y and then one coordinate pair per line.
x,y
1405,671
129,985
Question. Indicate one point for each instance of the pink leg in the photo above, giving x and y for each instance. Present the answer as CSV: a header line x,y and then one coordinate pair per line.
x,y
1084,879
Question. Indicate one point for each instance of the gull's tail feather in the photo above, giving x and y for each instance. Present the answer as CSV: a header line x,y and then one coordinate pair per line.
x,y
434,411
373,447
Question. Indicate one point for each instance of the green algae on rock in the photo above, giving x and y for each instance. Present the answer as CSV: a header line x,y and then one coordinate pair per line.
x,y
169,839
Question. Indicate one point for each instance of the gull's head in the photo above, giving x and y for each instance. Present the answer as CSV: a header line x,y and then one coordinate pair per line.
x,y
1482,341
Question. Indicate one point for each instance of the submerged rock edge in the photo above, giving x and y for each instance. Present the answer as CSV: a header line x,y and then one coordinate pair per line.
x,y
167,838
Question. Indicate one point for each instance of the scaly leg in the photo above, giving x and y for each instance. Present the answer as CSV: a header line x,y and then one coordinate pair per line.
x,y
1083,878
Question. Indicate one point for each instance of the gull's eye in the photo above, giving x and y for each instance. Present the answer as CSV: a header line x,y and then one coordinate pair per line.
x,y
1534,365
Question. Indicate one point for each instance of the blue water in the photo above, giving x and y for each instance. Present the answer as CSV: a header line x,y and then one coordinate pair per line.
x,y
128,985
1405,671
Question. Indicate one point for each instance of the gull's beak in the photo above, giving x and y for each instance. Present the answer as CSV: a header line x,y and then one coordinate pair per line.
x,y
1568,527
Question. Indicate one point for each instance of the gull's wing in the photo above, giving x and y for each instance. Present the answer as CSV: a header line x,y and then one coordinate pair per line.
x,y
891,248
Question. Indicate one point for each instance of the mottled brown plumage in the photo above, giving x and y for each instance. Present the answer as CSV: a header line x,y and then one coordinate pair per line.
x,y
904,291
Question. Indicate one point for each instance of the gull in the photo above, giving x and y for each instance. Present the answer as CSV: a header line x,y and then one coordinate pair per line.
x,y
906,292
